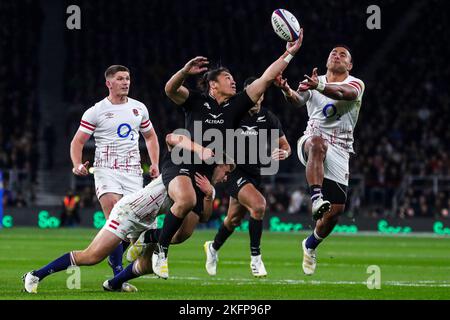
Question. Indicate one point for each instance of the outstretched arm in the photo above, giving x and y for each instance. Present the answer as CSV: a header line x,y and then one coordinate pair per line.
x,y
174,87
334,91
184,142
296,98
260,85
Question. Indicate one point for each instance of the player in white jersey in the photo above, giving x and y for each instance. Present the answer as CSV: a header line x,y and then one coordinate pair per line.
x,y
115,123
333,101
132,215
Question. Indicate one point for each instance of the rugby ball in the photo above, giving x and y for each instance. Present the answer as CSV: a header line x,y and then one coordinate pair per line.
x,y
285,25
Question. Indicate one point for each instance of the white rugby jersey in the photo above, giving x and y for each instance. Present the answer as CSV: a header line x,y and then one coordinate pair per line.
x,y
146,204
334,120
116,132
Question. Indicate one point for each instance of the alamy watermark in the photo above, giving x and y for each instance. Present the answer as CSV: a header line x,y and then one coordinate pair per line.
x,y
73,22
74,280
374,280
374,20
244,146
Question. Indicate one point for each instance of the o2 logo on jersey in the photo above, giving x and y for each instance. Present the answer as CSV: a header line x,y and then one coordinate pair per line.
x,y
124,130
330,111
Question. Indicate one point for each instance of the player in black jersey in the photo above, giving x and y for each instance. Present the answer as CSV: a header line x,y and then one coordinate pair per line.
x,y
244,183
207,115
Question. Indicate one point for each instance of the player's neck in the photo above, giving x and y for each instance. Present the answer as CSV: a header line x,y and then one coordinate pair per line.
x,y
218,97
117,99
336,77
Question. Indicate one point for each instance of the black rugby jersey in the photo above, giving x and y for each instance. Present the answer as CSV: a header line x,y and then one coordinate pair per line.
x,y
202,113
251,129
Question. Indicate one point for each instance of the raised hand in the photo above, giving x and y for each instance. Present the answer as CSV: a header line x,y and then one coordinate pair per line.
x,y
279,154
196,66
282,84
310,83
294,46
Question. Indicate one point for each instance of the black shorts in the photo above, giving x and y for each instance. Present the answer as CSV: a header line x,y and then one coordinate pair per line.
x,y
238,179
334,192
169,171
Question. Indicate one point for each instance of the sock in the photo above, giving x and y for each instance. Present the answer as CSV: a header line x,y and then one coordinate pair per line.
x,y
126,274
255,229
221,236
152,235
125,245
315,192
170,227
62,263
115,259
313,241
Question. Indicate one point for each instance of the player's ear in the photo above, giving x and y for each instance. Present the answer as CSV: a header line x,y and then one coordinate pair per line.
x,y
108,84
350,67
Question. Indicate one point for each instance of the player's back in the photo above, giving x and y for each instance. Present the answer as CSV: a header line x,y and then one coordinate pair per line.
x,y
335,120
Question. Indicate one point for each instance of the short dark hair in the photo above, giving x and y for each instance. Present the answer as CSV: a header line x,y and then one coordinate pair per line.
x,y
249,81
211,75
346,47
112,70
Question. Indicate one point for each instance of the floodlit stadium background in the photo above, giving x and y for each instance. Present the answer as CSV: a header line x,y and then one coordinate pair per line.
x,y
49,75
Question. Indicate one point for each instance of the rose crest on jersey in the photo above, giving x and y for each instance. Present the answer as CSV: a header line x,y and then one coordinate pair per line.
x,y
136,112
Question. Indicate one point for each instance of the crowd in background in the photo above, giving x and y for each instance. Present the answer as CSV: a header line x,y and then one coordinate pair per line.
x,y
402,127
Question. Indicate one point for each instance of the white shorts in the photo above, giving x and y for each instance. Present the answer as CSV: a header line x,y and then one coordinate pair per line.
x,y
336,164
137,212
115,181
124,226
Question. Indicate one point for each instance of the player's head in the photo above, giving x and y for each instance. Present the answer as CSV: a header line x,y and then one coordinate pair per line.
x,y
257,106
118,80
225,166
218,82
340,59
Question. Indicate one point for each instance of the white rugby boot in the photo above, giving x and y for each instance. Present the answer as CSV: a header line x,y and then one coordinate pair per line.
x,y
309,259
319,208
257,266
212,257
159,264
30,282
126,287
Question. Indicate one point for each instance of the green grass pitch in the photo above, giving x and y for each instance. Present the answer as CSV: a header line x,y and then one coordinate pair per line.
x,y
411,268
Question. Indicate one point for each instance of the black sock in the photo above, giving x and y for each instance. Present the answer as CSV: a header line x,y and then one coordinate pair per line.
x,y
255,229
315,191
152,235
170,227
221,236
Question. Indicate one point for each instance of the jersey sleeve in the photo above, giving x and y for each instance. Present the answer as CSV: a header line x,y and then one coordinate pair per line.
x,y
88,122
189,103
146,124
358,85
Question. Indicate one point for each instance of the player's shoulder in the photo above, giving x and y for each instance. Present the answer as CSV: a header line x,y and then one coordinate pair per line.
x,y
136,103
351,78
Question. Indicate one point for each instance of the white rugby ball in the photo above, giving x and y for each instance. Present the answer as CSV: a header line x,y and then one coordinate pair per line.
x,y
285,25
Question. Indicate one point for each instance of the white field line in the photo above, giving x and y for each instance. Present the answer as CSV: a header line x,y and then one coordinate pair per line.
x,y
243,281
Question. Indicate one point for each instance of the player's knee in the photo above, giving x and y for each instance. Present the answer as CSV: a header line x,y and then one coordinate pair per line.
x,y
318,146
258,209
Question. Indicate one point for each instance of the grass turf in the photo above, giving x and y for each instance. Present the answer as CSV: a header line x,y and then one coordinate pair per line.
x,y
411,268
